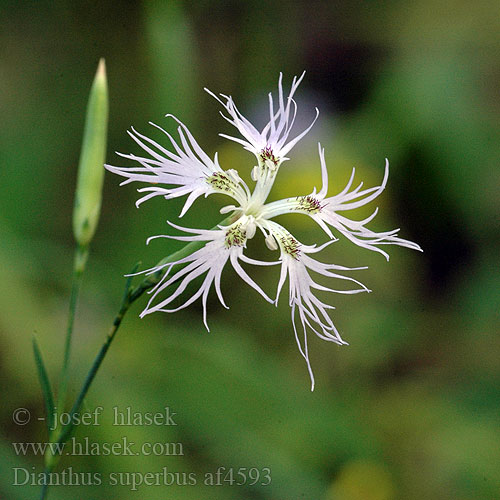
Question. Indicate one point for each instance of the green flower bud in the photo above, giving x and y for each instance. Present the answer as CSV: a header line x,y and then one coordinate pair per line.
x,y
91,171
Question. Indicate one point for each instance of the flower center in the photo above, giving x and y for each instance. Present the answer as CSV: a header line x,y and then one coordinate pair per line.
x,y
267,157
235,236
221,182
290,246
309,204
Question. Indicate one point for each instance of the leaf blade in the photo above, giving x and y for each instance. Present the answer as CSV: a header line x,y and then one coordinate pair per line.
x,y
45,385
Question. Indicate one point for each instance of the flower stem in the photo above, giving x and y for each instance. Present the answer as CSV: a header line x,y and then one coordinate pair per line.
x,y
81,255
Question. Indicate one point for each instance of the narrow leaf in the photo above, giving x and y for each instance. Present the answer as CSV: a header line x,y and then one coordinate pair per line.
x,y
45,385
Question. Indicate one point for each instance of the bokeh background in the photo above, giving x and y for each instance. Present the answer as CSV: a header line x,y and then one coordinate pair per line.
x,y
410,410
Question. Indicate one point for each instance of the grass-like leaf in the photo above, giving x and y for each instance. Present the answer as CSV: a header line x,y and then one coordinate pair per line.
x,y
45,385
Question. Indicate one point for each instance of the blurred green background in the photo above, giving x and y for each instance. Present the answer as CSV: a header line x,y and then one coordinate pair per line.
x,y
410,410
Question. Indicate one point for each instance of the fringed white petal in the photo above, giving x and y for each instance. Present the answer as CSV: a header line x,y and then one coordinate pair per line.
x,y
276,132
327,212
210,259
188,167
313,313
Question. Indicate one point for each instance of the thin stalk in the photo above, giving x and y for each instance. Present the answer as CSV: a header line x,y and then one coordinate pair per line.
x,y
81,255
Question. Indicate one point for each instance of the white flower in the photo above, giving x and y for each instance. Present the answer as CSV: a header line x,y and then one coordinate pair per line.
x,y
190,171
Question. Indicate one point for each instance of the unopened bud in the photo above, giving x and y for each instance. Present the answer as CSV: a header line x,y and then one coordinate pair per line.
x,y
92,157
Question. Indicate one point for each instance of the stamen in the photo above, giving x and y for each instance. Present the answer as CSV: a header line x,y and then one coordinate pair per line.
x,y
271,242
251,228
227,209
233,175
254,173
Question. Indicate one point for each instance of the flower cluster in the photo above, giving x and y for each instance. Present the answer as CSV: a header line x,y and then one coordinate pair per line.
x,y
186,170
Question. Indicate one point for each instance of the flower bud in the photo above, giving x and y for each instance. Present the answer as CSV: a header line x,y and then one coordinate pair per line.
x,y
91,171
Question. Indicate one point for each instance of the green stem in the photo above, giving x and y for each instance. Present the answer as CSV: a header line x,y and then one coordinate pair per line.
x,y
81,255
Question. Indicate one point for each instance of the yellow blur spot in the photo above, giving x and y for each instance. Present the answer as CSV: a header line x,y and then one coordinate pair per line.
x,y
362,480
